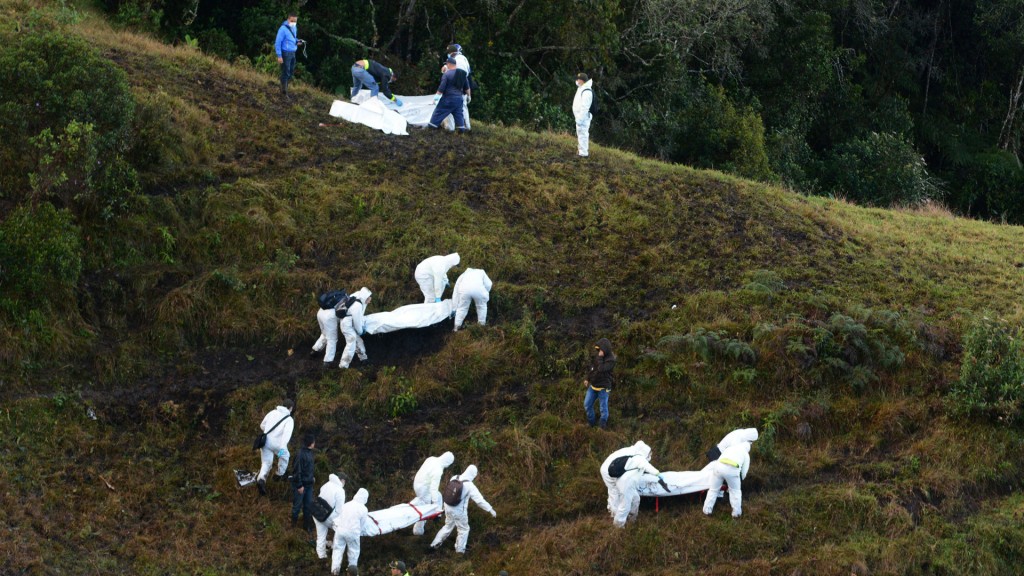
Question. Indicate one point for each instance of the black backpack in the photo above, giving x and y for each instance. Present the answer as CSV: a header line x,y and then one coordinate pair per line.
x,y
342,307
321,509
453,492
618,466
330,299
595,106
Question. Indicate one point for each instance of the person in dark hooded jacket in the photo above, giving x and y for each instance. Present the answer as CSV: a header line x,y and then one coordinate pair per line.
x,y
599,381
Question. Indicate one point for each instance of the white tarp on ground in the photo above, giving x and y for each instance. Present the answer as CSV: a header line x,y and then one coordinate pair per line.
x,y
415,110
679,483
411,316
399,516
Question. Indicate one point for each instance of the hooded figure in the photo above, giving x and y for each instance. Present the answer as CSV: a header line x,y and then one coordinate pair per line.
x,y
730,468
581,111
328,322
334,493
474,286
277,443
427,482
623,491
599,381
352,327
348,528
432,276
731,439
458,516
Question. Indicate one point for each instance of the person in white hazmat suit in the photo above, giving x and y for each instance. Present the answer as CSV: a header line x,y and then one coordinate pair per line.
x,y
730,439
730,468
621,472
329,323
432,276
473,286
348,528
458,516
581,111
427,482
333,492
277,425
352,328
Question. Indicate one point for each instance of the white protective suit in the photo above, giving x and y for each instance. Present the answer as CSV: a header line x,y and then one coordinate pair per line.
x,y
432,276
624,491
328,322
348,528
737,436
612,483
581,110
474,286
462,63
427,483
352,328
458,516
277,442
730,468
334,493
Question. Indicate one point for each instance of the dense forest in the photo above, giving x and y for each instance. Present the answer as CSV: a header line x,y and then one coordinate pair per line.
x,y
880,102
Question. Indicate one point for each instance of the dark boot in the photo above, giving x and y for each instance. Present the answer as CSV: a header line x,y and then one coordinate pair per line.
x,y
262,485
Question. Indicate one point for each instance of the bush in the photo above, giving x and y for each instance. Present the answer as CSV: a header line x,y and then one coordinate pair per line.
x,y
40,258
882,169
991,381
74,107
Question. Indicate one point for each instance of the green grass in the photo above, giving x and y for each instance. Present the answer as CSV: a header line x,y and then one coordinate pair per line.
x,y
198,309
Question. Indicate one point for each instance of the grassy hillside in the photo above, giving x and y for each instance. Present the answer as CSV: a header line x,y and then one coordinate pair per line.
x,y
835,330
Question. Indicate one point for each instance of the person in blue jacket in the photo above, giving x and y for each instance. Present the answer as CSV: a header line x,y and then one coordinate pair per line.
x,y
450,99
286,44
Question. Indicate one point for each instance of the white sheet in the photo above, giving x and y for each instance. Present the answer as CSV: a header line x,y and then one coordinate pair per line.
x,y
411,316
416,110
399,516
373,113
679,483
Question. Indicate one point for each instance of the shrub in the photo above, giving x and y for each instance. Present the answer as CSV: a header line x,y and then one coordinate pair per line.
x,y
882,169
991,381
40,258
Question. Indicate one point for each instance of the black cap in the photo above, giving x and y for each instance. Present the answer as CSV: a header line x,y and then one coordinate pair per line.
x,y
582,76
397,564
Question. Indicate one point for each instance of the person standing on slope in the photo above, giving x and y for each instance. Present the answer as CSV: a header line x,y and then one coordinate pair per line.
x,y
427,483
285,45
581,110
462,72
731,468
277,425
449,100
474,286
352,328
599,381
333,492
456,508
432,276
348,529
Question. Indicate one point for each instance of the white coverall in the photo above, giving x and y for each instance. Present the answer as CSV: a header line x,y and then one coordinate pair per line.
x,y
277,442
458,516
334,493
348,528
730,468
328,322
628,485
352,328
737,436
581,110
474,286
432,276
427,482
612,483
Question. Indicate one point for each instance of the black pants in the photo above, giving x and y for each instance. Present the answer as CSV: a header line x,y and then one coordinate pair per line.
x,y
287,69
303,501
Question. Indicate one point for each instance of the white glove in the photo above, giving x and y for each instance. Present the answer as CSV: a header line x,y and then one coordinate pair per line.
x,y
494,514
469,97
437,98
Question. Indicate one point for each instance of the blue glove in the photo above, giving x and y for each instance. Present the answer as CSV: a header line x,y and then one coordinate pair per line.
x,y
398,101
437,98
436,300
281,453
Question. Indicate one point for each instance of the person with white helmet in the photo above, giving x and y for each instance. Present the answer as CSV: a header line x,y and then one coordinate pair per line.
x,y
730,468
472,286
457,494
621,472
432,276
277,425
427,483
348,528
332,492
352,328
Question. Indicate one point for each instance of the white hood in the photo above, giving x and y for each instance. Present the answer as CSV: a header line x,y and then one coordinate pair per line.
x,y
643,450
362,496
335,480
447,459
452,260
362,294
469,475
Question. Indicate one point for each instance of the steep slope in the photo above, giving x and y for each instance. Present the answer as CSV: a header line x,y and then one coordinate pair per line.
x,y
833,329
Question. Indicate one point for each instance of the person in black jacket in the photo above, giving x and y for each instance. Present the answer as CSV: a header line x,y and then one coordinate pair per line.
x,y
302,483
375,77
599,381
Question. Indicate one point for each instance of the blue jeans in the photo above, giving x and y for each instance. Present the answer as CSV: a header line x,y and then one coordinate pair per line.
x,y
303,502
588,404
287,69
361,78
449,105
